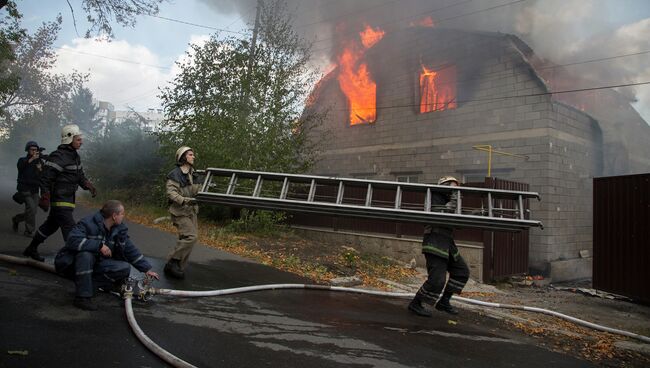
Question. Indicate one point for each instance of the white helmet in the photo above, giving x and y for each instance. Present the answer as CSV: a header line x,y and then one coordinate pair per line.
x,y
180,152
447,179
68,132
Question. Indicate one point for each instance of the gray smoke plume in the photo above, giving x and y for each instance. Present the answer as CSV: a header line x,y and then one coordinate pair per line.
x,y
562,31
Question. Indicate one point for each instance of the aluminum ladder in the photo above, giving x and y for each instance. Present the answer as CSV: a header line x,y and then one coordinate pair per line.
x,y
500,210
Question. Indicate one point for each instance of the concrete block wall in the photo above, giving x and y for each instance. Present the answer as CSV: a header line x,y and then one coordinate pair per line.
x,y
561,142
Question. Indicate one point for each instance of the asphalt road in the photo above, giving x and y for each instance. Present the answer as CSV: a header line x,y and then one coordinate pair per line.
x,y
290,328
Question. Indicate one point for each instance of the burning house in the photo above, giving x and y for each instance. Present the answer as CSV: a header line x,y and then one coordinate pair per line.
x,y
410,105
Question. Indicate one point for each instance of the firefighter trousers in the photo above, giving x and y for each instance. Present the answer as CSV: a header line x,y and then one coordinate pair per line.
x,y
187,227
437,268
29,215
58,217
90,271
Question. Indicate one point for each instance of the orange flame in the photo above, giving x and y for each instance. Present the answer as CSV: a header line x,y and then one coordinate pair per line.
x,y
423,22
355,80
437,89
369,36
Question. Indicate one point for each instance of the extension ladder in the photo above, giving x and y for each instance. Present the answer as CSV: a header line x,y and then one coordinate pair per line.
x,y
502,210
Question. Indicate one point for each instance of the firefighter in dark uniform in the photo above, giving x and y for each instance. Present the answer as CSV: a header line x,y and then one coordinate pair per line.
x,y
99,254
61,177
442,256
29,177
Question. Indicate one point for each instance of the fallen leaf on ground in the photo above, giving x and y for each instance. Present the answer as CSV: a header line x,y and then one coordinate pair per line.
x,y
17,352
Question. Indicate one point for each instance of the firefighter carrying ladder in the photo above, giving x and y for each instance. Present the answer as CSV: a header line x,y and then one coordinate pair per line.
x,y
501,210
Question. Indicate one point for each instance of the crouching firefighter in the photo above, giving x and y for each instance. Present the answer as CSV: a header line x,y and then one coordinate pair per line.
x,y
99,254
182,187
62,175
442,256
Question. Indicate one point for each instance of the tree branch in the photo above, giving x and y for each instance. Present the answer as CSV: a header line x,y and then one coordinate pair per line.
x,y
74,20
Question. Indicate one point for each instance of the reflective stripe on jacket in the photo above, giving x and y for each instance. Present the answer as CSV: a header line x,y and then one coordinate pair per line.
x,y
439,240
62,175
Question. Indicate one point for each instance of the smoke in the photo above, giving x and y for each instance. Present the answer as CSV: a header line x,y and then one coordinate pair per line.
x,y
562,31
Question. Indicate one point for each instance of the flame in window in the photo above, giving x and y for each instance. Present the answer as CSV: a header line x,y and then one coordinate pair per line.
x,y
355,79
437,89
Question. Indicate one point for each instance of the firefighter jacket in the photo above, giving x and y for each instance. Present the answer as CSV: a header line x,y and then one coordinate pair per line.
x,y
89,234
62,175
29,174
181,187
438,240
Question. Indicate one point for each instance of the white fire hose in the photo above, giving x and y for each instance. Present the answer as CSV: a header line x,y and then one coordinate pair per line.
x,y
145,292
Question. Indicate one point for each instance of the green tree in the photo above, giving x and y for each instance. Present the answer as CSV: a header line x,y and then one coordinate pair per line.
x,y
10,35
37,86
84,113
100,13
240,109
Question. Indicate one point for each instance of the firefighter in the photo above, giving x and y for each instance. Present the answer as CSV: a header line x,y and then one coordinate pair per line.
x,y
182,187
29,176
98,255
442,256
62,175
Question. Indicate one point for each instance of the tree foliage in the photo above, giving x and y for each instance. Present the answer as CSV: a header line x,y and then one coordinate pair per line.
x,y
84,113
30,67
100,13
239,109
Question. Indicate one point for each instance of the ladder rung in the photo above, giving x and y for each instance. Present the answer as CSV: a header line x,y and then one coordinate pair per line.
x,y
369,196
285,189
427,201
312,191
231,184
339,195
490,206
459,205
398,198
521,208
206,182
258,186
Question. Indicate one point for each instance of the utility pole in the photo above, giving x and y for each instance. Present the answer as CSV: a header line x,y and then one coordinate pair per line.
x,y
254,40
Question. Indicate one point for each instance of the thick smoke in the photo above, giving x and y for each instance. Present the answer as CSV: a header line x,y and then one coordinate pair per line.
x,y
562,31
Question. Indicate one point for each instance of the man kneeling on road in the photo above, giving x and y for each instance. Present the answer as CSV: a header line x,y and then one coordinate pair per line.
x,y
99,254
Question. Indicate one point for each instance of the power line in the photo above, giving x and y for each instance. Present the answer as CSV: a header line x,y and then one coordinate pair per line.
x,y
198,25
504,97
112,58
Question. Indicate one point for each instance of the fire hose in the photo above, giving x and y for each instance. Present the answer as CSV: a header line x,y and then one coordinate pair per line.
x,y
144,290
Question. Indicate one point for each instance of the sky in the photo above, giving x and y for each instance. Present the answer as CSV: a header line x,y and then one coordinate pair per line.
x,y
561,30
152,47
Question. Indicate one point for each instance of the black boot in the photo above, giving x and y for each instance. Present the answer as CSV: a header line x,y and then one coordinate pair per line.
x,y
416,307
173,269
84,303
445,306
32,252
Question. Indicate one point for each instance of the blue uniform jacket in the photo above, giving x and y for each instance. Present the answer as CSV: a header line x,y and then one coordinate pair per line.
x,y
89,234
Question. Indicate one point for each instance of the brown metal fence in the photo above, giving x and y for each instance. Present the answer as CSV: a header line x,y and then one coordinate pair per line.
x,y
504,253
621,230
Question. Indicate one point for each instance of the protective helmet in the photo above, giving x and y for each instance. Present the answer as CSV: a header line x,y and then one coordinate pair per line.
x,y
447,179
68,132
31,144
180,152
